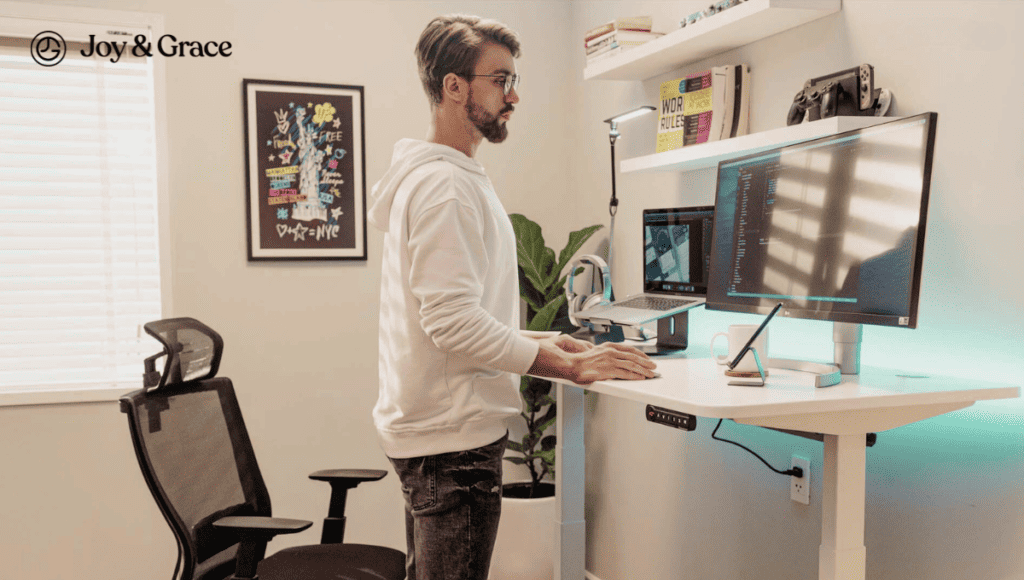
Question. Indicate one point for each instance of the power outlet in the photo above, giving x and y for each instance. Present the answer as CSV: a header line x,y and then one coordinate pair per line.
x,y
800,487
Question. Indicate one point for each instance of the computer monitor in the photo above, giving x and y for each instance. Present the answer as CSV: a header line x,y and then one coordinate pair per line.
x,y
833,228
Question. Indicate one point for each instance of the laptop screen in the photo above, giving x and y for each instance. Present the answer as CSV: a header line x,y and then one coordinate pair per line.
x,y
677,250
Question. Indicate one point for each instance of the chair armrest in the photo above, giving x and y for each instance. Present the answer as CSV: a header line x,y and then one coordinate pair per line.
x,y
348,477
262,526
254,532
341,481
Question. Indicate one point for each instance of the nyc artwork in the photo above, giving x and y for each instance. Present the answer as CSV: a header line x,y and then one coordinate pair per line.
x,y
306,192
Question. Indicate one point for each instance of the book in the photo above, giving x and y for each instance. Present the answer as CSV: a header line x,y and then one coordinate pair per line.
x,y
622,35
591,48
641,23
613,42
603,55
611,49
707,106
597,51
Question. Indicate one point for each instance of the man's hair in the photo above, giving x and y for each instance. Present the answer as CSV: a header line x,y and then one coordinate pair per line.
x,y
452,44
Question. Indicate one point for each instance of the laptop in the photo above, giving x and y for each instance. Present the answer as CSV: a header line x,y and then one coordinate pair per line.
x,y
677,255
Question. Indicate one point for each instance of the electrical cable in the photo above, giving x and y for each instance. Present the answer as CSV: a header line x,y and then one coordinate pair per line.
x,y
795,471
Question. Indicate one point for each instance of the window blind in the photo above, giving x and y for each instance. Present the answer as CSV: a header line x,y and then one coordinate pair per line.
x,y
79,254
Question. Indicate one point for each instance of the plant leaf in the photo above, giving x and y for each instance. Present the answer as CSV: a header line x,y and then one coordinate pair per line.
x,y
557,288
576,241
524,383
548,443
530,249
545,317
544,426
515,460
549,270
514,446
548,457
531,302
552,413
535,394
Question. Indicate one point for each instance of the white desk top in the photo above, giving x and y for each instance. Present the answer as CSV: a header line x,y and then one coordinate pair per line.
x,y
697,385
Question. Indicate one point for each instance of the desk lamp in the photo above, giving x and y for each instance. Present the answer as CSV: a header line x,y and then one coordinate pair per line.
x,y
613,136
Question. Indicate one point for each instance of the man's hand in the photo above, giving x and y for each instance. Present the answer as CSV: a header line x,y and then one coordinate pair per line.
x,y
570,344
583,363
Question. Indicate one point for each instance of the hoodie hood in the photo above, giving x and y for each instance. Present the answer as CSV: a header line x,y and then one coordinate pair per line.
x,y
408,155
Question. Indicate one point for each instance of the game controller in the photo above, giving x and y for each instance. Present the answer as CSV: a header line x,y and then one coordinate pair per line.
x,y
850,92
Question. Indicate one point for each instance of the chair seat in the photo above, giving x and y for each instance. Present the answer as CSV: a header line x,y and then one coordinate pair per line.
x,y
334,562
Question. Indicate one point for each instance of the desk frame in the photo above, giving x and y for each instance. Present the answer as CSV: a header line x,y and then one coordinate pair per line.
x,y
844,422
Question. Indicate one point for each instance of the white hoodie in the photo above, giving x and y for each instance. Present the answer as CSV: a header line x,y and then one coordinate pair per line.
x,y
449,305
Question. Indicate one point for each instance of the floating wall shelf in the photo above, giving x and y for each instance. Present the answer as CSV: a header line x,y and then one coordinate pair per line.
x,y
709,154
735,27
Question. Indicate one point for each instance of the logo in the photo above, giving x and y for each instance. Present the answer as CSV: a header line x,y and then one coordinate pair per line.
x,y
48,48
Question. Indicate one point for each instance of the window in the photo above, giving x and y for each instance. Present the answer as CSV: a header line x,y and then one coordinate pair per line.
x,y
80,208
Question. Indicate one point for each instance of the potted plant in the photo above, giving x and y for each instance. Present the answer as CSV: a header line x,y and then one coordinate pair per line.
x,y
520,552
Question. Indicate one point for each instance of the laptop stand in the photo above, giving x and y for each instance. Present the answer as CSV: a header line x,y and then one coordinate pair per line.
x,y
672,335
601,334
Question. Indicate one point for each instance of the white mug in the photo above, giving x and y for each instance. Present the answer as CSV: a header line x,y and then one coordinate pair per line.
x,y
738,336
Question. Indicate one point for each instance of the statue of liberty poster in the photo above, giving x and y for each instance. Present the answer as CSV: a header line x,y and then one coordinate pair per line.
x,y
304,165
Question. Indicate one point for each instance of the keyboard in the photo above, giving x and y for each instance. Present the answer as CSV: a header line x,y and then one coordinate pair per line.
x,y
654,303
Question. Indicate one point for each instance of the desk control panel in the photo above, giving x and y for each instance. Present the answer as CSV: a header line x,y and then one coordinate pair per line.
x,y
671,418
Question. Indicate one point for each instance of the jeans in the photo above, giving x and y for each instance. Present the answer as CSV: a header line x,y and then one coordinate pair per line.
x,y
452,506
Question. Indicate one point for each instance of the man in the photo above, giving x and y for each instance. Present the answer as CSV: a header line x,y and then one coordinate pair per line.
x,y
449,343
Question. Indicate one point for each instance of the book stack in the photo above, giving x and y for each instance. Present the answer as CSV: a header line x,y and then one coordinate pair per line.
x,y
707,106
709,11
618,35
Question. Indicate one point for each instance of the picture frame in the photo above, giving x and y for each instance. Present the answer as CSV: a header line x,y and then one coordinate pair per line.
x,y
305,170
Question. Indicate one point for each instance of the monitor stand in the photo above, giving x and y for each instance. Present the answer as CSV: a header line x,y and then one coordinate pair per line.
x,y
847,338
846,357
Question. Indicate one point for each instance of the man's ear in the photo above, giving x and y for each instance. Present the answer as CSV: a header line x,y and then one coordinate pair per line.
x,y
454,87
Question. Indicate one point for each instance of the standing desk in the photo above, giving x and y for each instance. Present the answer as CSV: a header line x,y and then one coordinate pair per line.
x,y
875,400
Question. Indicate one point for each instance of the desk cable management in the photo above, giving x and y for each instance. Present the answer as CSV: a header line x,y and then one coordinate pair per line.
x,y
794,471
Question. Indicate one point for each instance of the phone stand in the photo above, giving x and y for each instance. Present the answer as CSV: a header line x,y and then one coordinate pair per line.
x,y
749,379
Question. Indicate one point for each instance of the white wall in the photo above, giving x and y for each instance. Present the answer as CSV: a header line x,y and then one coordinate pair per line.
x,y
944,495
301,338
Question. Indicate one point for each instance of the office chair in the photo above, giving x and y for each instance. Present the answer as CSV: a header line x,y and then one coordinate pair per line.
x,y
199,464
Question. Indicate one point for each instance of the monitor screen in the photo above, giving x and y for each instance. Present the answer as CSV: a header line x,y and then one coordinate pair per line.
x,y
677,249
833,228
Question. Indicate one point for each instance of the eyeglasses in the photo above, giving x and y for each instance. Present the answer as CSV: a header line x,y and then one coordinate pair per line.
x,y
510,82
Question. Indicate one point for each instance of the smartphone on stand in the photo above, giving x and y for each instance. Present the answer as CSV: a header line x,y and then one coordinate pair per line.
x,y
753,382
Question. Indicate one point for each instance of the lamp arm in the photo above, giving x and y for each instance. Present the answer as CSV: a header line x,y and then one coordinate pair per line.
x,y
613,136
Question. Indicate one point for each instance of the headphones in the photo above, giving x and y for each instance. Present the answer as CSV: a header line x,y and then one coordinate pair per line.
x,y
581,301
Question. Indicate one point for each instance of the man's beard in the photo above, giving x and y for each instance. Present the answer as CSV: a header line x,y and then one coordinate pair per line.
x,y
489,125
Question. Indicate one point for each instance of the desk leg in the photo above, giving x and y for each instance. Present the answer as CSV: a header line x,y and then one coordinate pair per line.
x,y
570,479
842,555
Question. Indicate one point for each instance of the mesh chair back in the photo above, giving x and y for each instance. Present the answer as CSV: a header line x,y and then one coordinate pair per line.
x,y
194,450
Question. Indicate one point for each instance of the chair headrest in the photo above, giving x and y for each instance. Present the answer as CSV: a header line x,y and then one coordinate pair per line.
x,y
193,352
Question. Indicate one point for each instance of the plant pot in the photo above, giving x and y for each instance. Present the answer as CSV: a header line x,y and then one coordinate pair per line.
x,y
524,548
